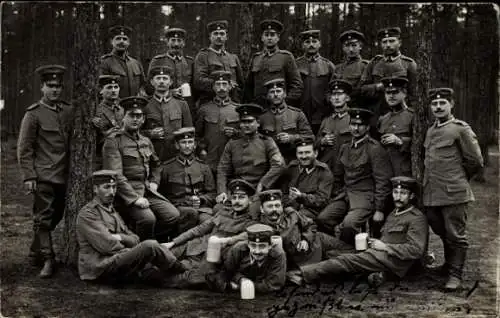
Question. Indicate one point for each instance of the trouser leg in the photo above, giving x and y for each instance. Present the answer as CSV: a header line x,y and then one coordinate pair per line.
x,y
332,246
331,216
167,215
143,221
353,222
436,222
188,218
455,222
346,263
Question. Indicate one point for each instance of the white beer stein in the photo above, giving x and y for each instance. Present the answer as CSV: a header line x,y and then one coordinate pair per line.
x,y
185,90
247,289
361,241
213,249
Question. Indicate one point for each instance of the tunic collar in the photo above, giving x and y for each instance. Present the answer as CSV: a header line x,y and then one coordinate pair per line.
x,y
340,116
185,161
52,106
313,58
270,52
438,124
124,57
222,102
220,52
279,109
353,59
396,212
392,57
177,57
162,99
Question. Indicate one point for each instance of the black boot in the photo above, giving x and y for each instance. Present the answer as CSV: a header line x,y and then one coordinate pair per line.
x,y
49,265
34,255
456,265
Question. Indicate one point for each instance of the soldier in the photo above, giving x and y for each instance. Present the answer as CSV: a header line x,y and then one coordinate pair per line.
x,y
391,63
452,157
256,260
118,62
334,130
300,239
108,116
133,157
354,65
181,65
229,223
43,156
252,157
396,126
316,72
272,63
306,181
164,113
188,182
217,120
216,58
284,123
403,242
109,251
361,181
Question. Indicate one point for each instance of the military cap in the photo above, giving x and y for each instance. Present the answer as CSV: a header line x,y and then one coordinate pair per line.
x,y
309,35
217,25
275,83
221,76
253,110
271,24
351,35
133,103
241,185
259,233
393,82
304,141
120,30
108,79
175,33
104,176
160,70
405,183
441,92
184,133
388,32
360,115
339,85
50,72
270,195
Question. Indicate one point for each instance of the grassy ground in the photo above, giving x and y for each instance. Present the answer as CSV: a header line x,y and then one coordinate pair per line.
x,y
25,295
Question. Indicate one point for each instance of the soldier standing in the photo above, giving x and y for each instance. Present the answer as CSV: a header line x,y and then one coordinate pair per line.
x,y
403,242
43,156
133,157
217,120
391,63
334,130
181,65
118,62
452,157
217,58
316,72
109,114
285,124
396,126
187,181
361,181
271,63
354,65
164,113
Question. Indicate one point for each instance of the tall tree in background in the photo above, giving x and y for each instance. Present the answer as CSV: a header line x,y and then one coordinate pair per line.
x,y
246,34
86,55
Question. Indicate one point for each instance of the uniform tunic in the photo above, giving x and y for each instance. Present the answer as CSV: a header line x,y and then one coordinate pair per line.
x,y
209,60
405,235
109,115
316,73
129,70
266,66
289,120
337,124
254,159
181,65
268,276
212,118
351,71
171,114
316,182
399,123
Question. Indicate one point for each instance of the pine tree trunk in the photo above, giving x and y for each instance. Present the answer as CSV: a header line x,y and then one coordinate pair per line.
x,y
84,69
246,32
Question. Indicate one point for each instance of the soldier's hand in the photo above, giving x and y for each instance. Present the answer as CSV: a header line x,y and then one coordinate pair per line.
x,y
377,244
153,186
303,246
388,139
234,84
110,131
229,131
177,92
379,86
234,286
99,122
328,140
168,245
30,186
260,187
143,203
221,198
117,236
194,201
294,193
157,133
378,216
283,137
